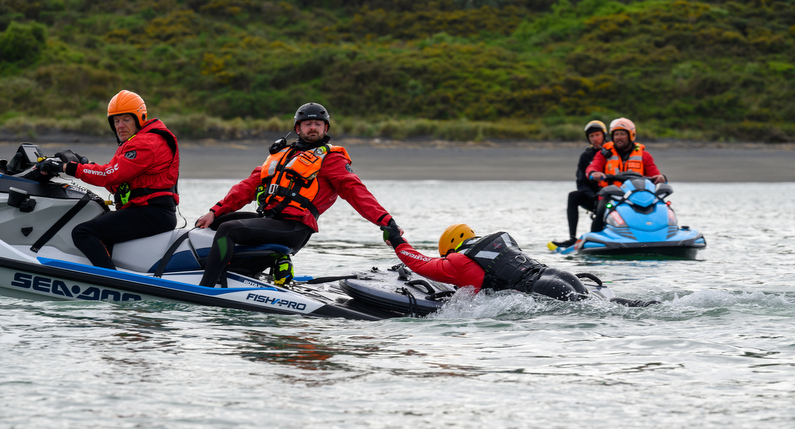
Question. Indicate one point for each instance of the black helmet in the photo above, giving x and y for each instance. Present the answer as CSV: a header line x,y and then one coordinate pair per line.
x,y
311,111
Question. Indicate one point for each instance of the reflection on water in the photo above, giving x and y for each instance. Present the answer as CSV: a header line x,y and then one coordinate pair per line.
x,y
301,352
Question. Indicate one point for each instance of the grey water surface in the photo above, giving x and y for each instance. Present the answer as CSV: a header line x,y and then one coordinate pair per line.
x,y
719,351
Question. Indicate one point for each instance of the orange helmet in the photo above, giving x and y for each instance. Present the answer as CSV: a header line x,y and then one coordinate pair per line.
x,y
453,236
623,124
127,102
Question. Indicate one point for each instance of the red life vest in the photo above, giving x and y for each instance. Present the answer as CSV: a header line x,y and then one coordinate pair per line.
x,y
288,179
615,164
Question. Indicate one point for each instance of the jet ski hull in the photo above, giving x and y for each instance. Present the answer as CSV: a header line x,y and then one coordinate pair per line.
x,y
685,245
63,280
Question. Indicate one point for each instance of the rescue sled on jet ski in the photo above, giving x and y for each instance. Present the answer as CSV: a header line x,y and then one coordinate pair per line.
x,y
39,261
638,221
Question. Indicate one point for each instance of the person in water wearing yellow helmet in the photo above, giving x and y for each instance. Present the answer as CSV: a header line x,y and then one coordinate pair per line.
x,y
621,154
586,194
493,261
142,175
295,185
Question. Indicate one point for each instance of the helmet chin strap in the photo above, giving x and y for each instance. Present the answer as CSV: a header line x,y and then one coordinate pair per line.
x,y
301,144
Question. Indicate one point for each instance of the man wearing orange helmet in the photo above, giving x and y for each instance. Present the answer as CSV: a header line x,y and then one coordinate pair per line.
x,y
620,155
142,175
295,185
585,195
493,261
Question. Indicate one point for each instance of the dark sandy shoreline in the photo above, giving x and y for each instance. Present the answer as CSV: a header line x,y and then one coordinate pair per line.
x,y
375,159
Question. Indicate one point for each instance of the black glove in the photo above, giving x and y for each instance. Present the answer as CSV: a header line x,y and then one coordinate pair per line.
x,y
69,156
71,168
50,166
392,234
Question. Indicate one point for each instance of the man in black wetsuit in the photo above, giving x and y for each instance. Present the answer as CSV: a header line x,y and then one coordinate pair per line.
x,y
586,194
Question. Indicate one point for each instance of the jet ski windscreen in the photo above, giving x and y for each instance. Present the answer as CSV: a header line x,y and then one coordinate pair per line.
x,y
27,155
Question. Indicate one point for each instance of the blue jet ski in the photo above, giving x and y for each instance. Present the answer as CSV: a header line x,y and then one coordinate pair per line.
x,y
638,221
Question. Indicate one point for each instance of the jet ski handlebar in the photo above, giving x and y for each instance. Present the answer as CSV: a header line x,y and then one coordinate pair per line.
x,y
622,177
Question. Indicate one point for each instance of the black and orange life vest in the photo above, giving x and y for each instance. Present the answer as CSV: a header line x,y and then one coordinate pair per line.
x,y
288,179
615,164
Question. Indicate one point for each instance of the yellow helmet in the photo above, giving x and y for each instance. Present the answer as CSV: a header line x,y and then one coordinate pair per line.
x,y
594,126
623,124
453,236
127,102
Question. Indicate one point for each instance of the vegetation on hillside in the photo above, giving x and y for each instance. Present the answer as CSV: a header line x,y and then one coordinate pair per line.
x,y
453,69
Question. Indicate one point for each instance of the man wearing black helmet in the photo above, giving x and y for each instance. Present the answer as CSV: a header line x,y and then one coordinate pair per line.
x,y
295,185
586,194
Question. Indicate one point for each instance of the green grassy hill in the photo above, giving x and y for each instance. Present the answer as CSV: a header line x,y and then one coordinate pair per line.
x,y
455,69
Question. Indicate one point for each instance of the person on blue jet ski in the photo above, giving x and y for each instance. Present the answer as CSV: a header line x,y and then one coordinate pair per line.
x,y
585,194
621,154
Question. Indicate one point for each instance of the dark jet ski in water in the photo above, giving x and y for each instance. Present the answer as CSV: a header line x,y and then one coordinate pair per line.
x,y
638,221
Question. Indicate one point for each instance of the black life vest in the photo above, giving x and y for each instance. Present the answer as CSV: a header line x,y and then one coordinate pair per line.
x,y
506,266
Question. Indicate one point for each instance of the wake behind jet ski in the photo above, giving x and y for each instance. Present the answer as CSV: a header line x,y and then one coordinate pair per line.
x,y
638,221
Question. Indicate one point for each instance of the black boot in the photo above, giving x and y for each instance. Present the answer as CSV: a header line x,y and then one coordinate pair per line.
x,y
568,243
283,271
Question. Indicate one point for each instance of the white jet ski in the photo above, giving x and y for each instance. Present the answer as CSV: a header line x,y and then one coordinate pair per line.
x,y
39,261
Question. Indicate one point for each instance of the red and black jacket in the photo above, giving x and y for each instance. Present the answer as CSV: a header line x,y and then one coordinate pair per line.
x,y
147,165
